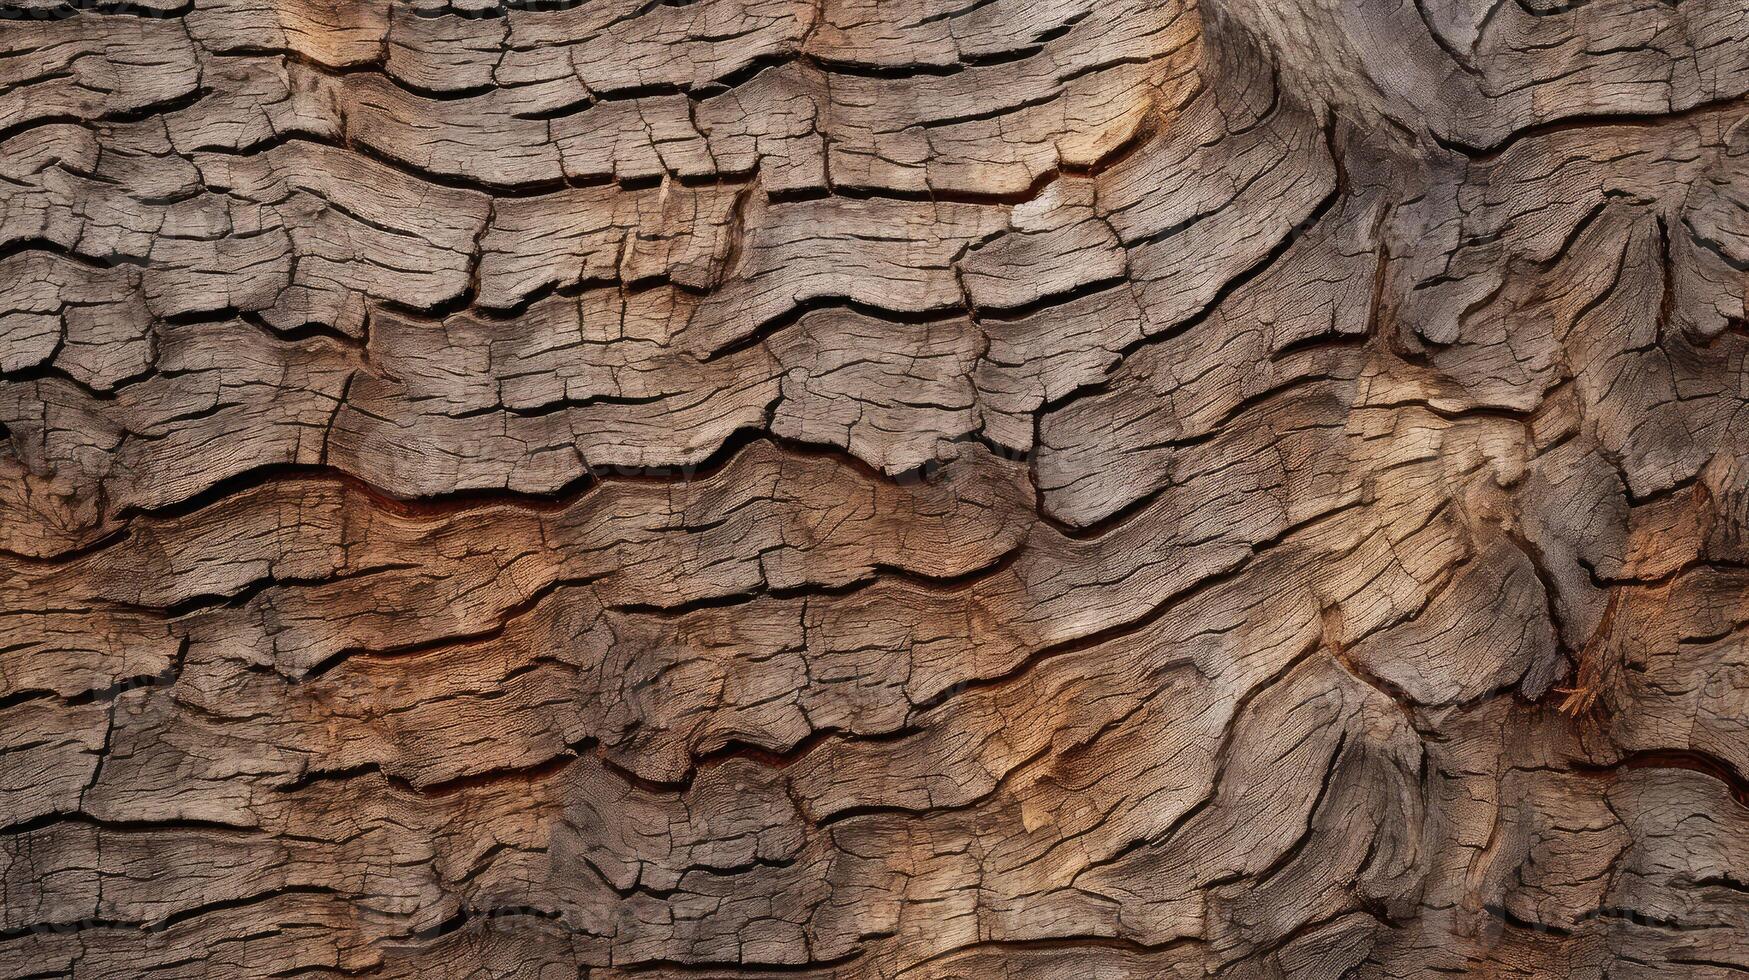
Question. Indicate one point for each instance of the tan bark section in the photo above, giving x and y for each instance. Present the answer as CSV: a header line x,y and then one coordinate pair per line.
x,y
874,488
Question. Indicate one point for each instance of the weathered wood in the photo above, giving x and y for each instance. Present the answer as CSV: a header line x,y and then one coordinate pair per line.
x,y
851,489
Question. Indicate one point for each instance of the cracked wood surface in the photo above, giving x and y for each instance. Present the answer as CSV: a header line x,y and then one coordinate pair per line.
x,y
874,488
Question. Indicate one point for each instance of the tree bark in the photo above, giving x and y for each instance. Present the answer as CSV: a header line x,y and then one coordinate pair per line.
x,y
874,488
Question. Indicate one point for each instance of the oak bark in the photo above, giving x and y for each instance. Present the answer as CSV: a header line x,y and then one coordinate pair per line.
x,y
874,488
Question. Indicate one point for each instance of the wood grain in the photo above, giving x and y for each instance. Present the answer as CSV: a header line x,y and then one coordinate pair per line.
x,y
874,489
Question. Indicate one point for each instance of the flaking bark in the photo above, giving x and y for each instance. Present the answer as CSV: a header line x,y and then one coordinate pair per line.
x,y
853,489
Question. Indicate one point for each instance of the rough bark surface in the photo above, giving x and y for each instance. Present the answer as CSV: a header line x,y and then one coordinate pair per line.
x,y
874,488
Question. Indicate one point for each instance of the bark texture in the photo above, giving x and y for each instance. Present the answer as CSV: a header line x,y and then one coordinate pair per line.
x,y
852,489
